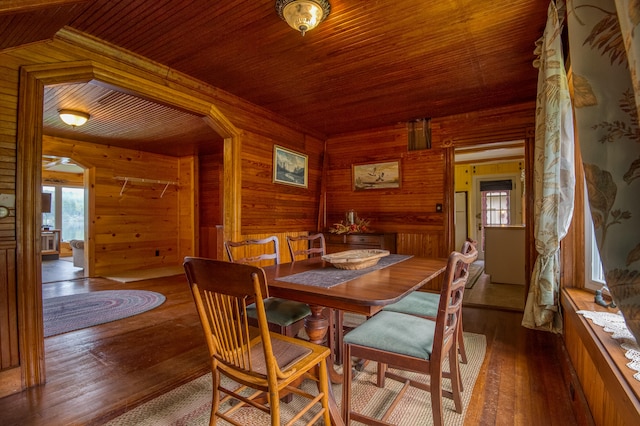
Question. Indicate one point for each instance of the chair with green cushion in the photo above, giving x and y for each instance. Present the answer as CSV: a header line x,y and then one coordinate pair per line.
x,y
425,304
284,316
412,343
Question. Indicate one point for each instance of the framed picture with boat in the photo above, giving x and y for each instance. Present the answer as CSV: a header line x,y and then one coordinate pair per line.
x,y
290,167
383,175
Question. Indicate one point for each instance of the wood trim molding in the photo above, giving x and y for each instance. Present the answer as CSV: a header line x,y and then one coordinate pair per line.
x,y
10,381
29,160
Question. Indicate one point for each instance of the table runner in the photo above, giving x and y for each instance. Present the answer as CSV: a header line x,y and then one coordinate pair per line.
x,y
331,276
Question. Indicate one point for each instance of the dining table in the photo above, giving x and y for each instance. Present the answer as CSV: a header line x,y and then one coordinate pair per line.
x,y
322,285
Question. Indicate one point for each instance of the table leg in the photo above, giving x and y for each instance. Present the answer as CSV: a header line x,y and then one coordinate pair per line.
x,y
316,326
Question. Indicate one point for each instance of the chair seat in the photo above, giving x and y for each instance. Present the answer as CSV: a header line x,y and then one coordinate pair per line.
x,y
381,332
282,312
419,303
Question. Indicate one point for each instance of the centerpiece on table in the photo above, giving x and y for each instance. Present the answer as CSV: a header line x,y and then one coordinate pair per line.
x,y
351,225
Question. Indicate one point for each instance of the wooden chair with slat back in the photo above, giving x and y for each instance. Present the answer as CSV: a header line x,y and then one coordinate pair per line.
x,y
413,343
255,358
425,304
315,245
284,316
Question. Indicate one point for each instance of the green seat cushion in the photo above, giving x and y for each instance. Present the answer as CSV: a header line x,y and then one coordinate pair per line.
x,y
281,311
417,303
395,332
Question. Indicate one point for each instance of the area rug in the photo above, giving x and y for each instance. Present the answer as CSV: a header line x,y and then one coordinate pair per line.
x,y
146,274
476,269
190,404
74,312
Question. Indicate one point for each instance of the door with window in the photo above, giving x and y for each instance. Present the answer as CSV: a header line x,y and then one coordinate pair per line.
x,y
497,200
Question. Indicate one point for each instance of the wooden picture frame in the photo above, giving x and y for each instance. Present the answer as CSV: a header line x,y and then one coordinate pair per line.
x,y
381,175
290,167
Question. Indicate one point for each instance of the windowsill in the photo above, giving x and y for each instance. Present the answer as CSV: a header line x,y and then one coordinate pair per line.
x,y
606,352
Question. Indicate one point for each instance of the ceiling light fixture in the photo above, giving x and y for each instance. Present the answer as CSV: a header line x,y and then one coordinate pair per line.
x,y
73,118
303,15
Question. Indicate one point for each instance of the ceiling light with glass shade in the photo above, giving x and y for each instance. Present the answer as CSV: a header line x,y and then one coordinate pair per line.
x,y
73,118
303,15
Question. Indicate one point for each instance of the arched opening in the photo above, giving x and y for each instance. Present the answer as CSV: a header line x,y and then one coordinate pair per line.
x,y
29,180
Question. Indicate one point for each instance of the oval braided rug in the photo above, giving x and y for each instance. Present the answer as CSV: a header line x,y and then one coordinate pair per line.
x,y
68,313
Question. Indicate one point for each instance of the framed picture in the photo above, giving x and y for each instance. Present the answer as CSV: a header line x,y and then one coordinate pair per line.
x,y
290,167
376,176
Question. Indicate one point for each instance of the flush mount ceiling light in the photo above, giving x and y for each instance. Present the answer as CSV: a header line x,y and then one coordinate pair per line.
x,y
73,118
303,15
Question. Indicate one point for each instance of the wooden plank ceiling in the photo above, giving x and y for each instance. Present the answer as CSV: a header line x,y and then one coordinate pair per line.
x,y
370,64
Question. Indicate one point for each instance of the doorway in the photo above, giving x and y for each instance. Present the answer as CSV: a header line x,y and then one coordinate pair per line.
x,y
489,177
65,215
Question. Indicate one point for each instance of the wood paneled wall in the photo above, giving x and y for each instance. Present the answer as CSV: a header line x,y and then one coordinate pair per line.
x,y
131,221
273,207
426,178
70,57
409,210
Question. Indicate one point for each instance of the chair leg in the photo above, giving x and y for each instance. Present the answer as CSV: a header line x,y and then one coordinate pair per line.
x,y
347,374
274,406
461,349
456,380
436,394
215,397
339,333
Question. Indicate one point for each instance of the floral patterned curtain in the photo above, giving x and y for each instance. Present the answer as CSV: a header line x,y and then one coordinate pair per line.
x,y
554,176
604,44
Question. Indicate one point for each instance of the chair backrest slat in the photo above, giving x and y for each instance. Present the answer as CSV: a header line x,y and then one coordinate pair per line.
x,y
267,249
314,245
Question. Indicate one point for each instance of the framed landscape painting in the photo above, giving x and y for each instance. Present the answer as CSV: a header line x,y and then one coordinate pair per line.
x,y
290,167
376,176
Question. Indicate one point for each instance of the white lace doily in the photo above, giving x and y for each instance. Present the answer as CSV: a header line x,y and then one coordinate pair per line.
x,y
614,323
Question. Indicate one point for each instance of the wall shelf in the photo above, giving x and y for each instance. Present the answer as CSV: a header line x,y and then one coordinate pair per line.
x,y
126,180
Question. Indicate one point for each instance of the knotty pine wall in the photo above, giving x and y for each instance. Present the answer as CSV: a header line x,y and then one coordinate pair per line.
x,y
411,209
130,222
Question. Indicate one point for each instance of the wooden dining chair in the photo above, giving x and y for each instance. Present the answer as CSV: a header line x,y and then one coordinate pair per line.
x,y
284,316
412,343
315,245
255,358
425,304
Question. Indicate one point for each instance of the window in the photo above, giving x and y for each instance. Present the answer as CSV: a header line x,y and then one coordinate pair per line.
x,y
495,204
67,211
593,274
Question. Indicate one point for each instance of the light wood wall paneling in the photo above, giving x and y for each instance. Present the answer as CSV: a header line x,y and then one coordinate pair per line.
x,y
133,221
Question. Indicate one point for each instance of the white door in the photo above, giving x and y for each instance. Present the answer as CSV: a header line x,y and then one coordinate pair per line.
x,y
460,223
496,204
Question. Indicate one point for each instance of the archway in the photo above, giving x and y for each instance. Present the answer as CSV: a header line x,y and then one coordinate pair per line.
x,y
28,180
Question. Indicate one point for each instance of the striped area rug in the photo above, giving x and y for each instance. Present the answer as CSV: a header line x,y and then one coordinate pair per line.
x,y
62,314
190,404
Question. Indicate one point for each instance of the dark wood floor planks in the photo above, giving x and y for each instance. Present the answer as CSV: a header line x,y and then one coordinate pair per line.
x,y
97,373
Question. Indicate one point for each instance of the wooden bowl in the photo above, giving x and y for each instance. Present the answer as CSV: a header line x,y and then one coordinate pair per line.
x,y
355,259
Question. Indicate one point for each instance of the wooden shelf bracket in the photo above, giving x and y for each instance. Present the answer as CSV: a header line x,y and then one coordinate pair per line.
x,y
126,180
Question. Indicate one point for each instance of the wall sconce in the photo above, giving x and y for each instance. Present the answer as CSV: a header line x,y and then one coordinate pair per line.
x,y
73,118
303,15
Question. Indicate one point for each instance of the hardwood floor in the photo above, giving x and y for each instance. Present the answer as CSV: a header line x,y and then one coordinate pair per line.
x,y
97,373
499,296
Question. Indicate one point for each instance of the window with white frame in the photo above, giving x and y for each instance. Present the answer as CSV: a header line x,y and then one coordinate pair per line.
x,y
593,274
